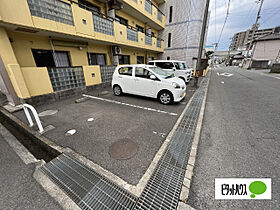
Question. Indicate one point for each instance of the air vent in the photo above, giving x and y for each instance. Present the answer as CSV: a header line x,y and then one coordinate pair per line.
x,y
26,30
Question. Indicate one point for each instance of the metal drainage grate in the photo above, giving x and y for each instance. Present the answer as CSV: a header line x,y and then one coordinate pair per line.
x,y
88,189
164,187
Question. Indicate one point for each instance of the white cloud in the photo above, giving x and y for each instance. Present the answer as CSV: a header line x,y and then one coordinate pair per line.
x,y
242,16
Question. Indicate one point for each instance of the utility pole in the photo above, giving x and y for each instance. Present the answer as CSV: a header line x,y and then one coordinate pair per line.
x,y
201,44
255,26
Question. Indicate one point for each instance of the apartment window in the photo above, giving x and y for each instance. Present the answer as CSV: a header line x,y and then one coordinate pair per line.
x,y
97,59
88,6
170,14
124,59
169,40
122,20
140,59
139,28
48,58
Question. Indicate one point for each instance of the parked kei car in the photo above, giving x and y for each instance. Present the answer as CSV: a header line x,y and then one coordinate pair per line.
x,y
149,81
178,68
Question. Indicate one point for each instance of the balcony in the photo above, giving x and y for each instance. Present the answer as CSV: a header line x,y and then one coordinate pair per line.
x,y
49,17
145,11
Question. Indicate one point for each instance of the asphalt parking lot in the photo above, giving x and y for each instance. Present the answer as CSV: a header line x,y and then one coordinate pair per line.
x,y
104,119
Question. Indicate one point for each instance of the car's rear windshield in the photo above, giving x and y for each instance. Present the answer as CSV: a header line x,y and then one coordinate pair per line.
x,y
180,66
160,72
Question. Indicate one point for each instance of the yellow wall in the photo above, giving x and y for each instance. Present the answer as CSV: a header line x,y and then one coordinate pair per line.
x,y
23,43
37,80
88,71
11,65
16,12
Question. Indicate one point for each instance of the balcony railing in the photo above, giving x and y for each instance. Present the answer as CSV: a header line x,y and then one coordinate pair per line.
x,y
107,73
148,39
103,25
159,16
148,6
132,35
159,43
65,78
55,10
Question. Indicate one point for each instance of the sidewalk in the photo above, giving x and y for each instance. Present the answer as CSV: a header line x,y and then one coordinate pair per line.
x,y
18,188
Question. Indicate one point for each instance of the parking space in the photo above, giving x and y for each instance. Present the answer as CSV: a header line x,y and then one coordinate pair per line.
x,y
105,119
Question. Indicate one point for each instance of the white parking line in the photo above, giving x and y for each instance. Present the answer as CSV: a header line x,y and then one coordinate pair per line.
x,y
131,105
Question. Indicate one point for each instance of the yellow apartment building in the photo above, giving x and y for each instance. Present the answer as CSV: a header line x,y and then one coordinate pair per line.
x,y
53,48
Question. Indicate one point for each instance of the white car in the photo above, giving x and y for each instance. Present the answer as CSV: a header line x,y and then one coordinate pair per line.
x,y
178,68
149,81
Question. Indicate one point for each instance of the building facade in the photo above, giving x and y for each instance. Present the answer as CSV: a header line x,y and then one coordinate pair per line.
x,y
241,40
266,50
183,26
51,46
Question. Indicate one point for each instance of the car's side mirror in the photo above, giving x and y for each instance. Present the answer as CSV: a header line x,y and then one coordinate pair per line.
x,y
153,77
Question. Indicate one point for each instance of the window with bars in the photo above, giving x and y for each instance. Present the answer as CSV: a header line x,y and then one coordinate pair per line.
x,y
55,10
148,6
132,35
148,39
103,25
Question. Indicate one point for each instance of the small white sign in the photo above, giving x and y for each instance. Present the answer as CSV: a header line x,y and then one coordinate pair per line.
x,y
243,188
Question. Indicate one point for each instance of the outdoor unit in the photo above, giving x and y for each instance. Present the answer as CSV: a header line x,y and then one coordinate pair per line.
x,y
116,50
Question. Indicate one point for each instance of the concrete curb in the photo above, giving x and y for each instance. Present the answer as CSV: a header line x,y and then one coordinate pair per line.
x,y
44,142
191,162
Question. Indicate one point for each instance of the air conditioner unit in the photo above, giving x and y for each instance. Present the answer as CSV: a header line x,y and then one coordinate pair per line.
x,y
116,50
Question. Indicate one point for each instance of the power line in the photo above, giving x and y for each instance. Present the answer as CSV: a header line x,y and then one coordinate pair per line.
x,y
227,14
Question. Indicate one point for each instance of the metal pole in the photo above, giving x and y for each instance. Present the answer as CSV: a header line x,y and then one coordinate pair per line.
x,y
254,28
201,44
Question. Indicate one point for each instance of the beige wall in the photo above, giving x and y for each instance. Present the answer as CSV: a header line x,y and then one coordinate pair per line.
x,y
12,66
266,50
37,80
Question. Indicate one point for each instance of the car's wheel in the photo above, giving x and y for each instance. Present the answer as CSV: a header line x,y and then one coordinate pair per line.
x,y
165,97
117,90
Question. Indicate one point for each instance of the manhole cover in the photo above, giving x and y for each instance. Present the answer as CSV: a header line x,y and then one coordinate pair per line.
x,y
123,149
47,113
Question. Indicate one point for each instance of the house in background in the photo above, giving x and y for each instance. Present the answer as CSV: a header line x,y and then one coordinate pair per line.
x,y
266,50
55,48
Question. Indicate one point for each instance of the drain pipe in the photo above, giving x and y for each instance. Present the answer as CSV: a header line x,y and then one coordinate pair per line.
x,y
53,51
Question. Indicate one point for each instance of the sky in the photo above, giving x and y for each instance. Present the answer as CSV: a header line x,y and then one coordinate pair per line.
x,y
241,17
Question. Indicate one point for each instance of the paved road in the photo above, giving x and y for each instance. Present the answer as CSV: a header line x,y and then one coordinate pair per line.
x,y
240,137
18,188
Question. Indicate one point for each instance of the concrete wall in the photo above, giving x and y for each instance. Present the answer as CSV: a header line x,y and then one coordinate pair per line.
x,y
185,29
